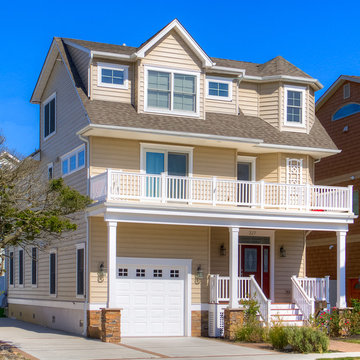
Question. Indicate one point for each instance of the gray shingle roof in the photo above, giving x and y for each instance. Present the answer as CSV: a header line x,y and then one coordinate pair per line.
x,y
121,114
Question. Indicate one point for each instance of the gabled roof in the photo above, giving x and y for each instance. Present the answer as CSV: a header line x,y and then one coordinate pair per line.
x,y
330,91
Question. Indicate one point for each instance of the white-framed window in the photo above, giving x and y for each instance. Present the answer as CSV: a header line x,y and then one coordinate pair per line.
x,y
80,270
294,171
11,268
218,88
53,272
346,90
246,168
34,266
172,91
21,267
73,161
50,171
49,116
294,106
113,75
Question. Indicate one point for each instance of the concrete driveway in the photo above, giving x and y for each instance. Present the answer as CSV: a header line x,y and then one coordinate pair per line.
x,y
49,344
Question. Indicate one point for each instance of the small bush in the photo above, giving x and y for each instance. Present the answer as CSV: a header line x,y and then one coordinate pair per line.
x,y
300,339
278,337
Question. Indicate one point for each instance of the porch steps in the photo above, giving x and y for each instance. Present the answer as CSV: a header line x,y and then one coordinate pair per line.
x,y
286,314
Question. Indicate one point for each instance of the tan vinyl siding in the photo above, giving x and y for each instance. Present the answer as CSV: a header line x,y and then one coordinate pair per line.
x,y
267,167
219,264
249,99
70,118
66,268
293,264
311,107
125,154
81,60
219,105
112,94
150,241
269,103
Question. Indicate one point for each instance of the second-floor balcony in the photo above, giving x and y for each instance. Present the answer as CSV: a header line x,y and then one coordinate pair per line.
x,y
117,185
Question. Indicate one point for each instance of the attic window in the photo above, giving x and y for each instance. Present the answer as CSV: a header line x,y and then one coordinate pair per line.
x,y
49,116
346,91
294,108
346,110
113,75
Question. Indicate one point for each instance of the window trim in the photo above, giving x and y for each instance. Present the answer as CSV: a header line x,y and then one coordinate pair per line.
x,y
144,147
50,166
248,159
68,155
23,268
36,265
221,80
110,66
303,106
53,251
80,246
12,269
45,102
172,71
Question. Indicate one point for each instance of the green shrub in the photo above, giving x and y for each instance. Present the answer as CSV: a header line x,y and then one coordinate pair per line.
x,y
278,338
307,339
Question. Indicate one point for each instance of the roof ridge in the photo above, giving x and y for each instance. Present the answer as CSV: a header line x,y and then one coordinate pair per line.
x,y
94,42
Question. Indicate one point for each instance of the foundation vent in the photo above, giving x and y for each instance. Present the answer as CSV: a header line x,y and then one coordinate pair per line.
x,y
53,319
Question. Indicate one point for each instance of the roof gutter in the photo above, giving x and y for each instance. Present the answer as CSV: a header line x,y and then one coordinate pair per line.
x,y
227,70
171,133
296,79
298,148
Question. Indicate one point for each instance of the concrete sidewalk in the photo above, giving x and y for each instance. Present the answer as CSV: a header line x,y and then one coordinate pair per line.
x,y
49,344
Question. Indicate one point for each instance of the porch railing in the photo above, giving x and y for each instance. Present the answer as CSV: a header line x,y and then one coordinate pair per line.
x,y
302,300
262,300
316,288
115,185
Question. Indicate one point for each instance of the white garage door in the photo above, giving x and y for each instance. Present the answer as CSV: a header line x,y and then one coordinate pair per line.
x,y
152,299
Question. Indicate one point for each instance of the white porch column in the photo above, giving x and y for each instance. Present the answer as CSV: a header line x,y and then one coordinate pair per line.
x,y
111,264
341,276
233,267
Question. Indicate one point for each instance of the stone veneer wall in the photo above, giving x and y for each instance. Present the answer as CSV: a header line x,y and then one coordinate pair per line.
x,y
199,323
233,318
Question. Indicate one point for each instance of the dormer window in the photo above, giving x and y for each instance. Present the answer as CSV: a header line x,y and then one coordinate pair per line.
x,y
113,75
169,91
294,106
218,88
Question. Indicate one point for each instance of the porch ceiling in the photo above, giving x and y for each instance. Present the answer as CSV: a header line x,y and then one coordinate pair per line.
x,y
221,217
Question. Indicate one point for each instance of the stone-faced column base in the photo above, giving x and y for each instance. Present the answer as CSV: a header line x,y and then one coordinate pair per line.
x,y
233,319
199,323
94,324
110,325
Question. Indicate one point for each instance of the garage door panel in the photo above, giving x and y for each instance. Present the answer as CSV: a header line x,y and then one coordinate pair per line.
x,y
153,304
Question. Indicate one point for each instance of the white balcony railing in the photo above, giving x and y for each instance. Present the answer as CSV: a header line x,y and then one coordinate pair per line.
x,y
115,185
316,288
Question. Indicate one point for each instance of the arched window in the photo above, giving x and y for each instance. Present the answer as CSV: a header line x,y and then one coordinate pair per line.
x,y
346,110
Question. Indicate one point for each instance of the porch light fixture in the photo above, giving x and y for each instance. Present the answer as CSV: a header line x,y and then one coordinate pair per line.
x,y
199,273
222,250
282,251
101,272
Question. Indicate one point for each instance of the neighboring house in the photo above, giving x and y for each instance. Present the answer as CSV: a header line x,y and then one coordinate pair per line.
x,y
201,169
339,112
7,159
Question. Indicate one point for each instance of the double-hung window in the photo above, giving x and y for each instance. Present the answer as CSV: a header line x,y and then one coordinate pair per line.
x,y
73,161
11,268
113,75
172,91
218,88
21,267
34,267
294,106
49,116
80,270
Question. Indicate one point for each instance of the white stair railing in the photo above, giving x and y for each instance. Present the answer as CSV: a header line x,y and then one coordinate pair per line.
x,y
263,302
316,288
302,300
220,288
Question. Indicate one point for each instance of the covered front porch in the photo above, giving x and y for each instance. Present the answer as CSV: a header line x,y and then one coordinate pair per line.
x,y
209,257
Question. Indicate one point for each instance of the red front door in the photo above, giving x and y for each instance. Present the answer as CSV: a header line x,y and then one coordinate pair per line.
x,y
257,264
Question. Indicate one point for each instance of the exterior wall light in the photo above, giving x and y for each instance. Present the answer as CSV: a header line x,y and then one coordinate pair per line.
x,y
282,251
101,272
199,274
222,250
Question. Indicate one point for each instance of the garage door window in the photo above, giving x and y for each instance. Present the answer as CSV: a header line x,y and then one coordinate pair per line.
x,y
123,272
140,272
174,273
157,273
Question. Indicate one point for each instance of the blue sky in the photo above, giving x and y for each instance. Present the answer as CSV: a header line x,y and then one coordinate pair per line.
x,y
320,37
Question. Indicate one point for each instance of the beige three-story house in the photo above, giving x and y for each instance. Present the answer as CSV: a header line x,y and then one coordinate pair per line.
x,y
201,170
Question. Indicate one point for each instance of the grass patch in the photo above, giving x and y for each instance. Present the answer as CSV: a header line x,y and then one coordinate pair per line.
x,y
354,341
